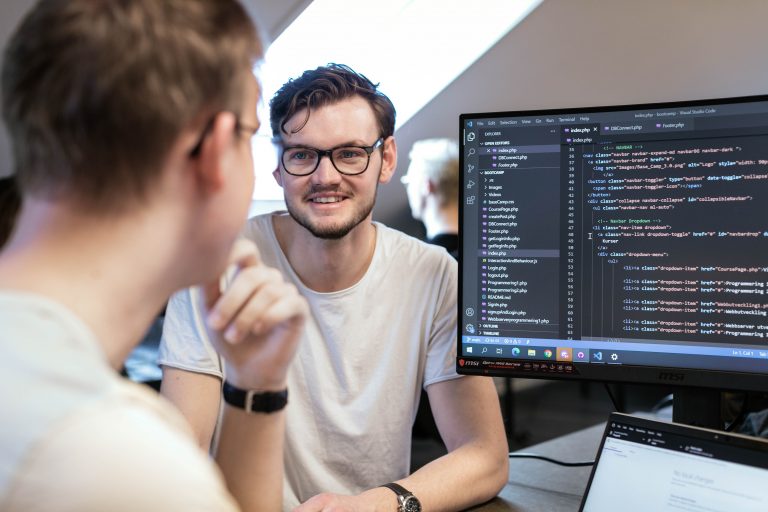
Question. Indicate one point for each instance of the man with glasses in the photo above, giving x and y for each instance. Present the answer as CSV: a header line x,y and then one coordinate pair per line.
x,y
382,324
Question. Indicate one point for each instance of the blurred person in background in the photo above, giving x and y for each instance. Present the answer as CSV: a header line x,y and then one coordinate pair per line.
x,y
432,185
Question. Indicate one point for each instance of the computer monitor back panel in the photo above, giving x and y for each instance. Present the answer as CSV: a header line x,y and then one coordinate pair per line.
x,y
625,243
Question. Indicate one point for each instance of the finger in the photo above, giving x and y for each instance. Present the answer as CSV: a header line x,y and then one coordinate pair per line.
x,y
288,308
243,254
313,504
249,317
246,284
210,294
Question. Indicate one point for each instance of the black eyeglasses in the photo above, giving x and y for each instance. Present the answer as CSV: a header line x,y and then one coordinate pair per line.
x,y
348,160
239,127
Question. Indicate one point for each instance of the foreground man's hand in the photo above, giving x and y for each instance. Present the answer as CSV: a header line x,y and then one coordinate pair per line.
x,y
377,499
256,322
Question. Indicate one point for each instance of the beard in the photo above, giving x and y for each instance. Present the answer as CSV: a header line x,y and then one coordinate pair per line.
x,y
333,231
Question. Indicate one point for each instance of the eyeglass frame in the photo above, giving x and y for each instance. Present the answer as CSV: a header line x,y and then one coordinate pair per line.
x,y
379,143
239,127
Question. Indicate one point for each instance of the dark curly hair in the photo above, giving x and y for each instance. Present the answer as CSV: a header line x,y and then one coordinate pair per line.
x,y
324,86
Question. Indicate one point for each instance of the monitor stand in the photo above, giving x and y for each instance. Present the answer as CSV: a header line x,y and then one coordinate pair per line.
x,y
701,407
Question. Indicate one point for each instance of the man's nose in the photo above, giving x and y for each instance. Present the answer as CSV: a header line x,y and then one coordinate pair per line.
x,y
326,172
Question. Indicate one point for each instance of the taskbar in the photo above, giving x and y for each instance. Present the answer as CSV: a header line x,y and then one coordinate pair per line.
x,y
558,355
503,365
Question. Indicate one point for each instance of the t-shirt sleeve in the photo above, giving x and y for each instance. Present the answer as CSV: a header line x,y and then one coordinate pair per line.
x,y
185,344
441,348
119,459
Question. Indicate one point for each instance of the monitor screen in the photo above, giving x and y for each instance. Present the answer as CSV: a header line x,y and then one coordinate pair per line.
x,y
625,244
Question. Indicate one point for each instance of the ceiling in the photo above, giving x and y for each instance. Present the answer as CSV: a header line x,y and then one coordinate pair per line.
x,y
566,53
273,16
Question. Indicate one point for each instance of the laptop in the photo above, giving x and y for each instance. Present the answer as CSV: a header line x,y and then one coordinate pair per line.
x,y
645,465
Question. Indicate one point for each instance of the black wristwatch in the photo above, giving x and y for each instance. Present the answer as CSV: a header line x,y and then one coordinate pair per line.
x,y
406,501
254,401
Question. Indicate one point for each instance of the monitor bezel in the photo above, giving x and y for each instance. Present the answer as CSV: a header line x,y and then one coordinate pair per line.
x,y
623,373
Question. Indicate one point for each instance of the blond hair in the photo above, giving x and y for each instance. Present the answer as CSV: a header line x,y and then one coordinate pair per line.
x,y
438,159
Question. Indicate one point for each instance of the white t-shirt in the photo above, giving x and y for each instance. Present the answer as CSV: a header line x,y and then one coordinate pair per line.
x,y
366,353
75,436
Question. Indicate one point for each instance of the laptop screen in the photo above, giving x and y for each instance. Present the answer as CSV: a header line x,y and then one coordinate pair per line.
x,y
645,465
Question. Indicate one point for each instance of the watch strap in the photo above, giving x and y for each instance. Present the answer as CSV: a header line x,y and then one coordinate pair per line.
x,y
254,401
398,489
405,498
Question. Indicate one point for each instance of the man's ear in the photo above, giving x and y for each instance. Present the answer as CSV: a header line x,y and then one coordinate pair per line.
x,y
388,160
278,177
431,186
212,159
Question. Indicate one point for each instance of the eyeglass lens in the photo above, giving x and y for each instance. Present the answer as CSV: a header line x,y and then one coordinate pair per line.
x,y
347,160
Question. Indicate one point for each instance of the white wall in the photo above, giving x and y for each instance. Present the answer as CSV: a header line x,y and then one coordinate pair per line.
x,y
11,12
576,53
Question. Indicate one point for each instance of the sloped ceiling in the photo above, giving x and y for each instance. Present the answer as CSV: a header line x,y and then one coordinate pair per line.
x,y
273,16
578,53
566,53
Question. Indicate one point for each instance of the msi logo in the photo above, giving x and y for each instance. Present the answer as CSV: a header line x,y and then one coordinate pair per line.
x,y
461,362
671,377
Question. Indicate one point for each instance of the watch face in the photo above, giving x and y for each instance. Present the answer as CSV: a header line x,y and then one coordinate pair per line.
x,y
411,504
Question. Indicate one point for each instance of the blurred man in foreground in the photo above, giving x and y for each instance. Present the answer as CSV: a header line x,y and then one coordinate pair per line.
x,y
130,124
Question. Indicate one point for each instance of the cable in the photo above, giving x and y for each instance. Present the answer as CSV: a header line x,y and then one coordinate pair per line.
x,y
666,401
553,461
741,414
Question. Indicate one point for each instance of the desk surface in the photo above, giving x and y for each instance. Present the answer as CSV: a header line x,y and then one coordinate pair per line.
x,y
536,485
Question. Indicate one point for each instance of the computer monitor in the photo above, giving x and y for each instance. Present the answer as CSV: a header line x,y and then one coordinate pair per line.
x,y
623,244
